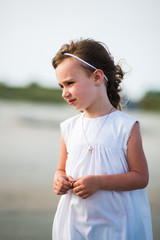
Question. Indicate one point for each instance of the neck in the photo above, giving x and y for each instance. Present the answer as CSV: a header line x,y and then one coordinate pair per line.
x,y
99,108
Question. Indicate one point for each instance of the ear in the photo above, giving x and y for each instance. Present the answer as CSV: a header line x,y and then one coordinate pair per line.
x,y
98,76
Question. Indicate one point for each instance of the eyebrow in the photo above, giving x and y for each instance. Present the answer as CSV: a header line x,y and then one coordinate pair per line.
x,y
66,81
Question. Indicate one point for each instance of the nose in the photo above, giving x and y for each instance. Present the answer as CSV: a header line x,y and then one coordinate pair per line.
x,y
65,93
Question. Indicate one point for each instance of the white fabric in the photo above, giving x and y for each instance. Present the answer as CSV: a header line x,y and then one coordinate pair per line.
x,y
106,215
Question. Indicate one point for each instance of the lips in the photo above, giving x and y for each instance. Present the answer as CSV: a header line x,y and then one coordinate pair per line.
x,y
71,101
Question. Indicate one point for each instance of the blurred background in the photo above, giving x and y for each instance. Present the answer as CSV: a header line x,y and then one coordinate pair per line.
x,y
31,107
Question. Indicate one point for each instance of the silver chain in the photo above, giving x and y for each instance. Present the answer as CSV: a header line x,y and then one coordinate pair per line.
x,y
91,145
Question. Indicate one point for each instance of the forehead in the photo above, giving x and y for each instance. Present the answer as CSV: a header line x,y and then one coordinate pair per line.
x,y
69,67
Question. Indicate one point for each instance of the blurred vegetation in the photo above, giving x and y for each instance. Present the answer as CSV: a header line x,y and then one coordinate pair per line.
x,y
32,92
150,101
35,92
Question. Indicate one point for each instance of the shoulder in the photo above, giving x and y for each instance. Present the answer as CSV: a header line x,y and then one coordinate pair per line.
x,y
125,123
70,122
68,126
124,117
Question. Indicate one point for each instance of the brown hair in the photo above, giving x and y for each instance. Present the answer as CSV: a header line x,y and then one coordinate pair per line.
x,y
97,54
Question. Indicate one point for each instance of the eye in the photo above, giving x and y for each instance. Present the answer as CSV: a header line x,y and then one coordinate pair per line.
x,y
61,86
70,83
66,84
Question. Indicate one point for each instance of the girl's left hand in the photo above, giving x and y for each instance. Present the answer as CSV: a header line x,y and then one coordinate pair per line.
x,y
85,186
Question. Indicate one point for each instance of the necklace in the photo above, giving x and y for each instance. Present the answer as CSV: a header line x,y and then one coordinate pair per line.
x,y
90,145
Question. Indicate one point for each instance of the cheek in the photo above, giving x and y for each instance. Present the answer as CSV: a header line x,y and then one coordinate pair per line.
x,y
89,91
82,93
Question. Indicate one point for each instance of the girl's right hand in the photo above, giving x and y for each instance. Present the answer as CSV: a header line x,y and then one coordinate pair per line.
x,y
62,184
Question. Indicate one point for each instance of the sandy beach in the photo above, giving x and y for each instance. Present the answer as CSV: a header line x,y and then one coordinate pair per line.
x,y
29,150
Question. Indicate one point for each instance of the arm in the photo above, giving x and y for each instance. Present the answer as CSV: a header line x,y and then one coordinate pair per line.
x,y
136,178
61,181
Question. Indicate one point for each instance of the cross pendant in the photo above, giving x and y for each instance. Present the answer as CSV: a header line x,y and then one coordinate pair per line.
x,y
90,149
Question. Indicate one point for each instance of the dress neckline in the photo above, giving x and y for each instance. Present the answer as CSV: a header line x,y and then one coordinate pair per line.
x,y
100,117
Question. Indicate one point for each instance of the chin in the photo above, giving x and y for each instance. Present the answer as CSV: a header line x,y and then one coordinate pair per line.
x,y
80,109
77,109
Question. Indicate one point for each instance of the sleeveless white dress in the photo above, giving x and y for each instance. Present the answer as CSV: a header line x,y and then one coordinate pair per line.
x,y
106,215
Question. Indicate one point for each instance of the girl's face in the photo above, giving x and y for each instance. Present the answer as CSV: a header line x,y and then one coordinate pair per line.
x,y
78,89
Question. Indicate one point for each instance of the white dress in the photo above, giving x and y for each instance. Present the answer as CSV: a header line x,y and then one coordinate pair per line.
x,y
106,215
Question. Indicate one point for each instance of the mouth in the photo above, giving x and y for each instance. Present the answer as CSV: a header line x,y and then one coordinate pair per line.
x,y
71,101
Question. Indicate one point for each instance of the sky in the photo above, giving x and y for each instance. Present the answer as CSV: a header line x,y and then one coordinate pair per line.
x,y
32,31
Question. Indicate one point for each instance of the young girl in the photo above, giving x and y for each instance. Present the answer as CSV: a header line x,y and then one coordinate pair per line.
x,y
102,171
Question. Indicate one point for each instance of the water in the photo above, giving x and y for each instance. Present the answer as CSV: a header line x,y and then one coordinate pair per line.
x,y
29,150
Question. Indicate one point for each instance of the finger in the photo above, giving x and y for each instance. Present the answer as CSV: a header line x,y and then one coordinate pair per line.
x,y
62,186
76,183
77,189
70,178
65,177
59,185
60,190
83,195
73,186
64,180
75,179
59,193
